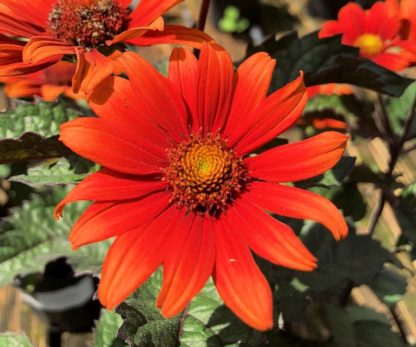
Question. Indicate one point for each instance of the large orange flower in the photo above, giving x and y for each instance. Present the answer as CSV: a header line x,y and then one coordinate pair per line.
x,y
48,84
37,33
181,187
375,31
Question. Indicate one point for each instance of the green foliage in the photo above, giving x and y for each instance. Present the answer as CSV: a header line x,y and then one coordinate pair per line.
x,y
398,110
328,61
29,131
106,329
205,322
14,340
406,212
55,172
30,237
231,22
390,286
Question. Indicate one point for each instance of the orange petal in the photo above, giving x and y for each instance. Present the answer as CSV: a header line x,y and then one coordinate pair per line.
x,y
183,279
137,31
239,281
300,160
269,238
112,146
134,256
252,81
298,203
40,48
147,11
173,34
103,220
276,113
11,26
107,185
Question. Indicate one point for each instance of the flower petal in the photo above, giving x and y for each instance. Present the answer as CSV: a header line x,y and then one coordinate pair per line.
x,y
183,279
157,94
239,281
252,81
30,11
298,203
137,31
147,11
183,67
173,34
270,238
112,146
134,256
300,160
40,48
107,185
115,101
214,89
10,26
275,114
103,220
391,61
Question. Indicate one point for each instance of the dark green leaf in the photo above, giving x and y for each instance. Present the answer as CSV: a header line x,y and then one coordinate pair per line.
x,y
406,212
29,132
31,237
390,286
328,61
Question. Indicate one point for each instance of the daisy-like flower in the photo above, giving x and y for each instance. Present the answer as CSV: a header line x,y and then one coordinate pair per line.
x,y
37,33
181,188
47,84
375,32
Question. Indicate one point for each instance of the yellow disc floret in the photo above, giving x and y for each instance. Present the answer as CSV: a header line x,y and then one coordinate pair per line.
x,y
369,44
204,174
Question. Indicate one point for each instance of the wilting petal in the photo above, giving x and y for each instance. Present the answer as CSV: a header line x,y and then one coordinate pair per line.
x,y
41,48
112,146
269,238
298,203
147,11
239,281
134,256
214,89
275,114
107,185
300,160
188,264
138,31
103,220
252,81
173,34
183,67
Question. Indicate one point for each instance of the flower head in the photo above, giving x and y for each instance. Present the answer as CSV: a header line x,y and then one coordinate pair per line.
x,y
376,32
35,34
181,187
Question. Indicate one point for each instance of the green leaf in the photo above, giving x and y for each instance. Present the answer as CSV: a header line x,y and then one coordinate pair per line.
x,y
205,322
29,132
14,340
57,172
356,260
328,61
406,212
30,237
143,324
106,330
389,286
399,108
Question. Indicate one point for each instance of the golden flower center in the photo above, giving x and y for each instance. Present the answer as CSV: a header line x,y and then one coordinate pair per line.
x,y
87,23
369,44
204,175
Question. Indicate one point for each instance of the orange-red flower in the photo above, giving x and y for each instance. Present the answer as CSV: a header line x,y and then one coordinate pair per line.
x,y
37,33
181,187
329,89
375,32
48,84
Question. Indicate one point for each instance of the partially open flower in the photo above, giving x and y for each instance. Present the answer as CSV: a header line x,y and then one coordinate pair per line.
x,y
376,32
181,187
35,34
